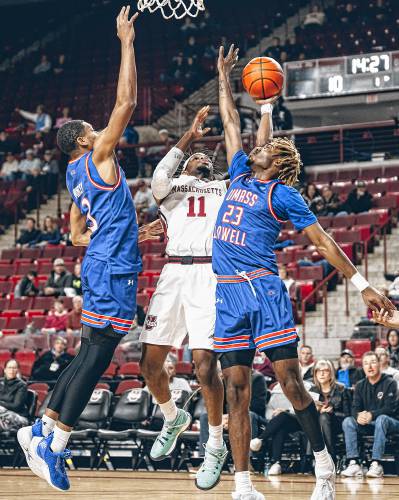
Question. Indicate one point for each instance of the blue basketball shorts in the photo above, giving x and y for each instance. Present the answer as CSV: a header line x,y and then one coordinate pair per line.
x,y
108,299
253,313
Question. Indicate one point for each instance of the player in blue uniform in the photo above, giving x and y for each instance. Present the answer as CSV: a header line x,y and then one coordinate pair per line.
x,y
253,307
103,218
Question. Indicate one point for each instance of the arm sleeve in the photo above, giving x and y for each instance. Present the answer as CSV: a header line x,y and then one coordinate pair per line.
x,y
29,116
162,179
239,165
390,401
288,204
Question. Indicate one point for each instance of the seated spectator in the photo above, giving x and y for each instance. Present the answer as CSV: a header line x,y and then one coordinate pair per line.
x,y
10,168
130,135
52,363
383,356
38,144
56,320
29,164
306,362
331,201
318,206
50,167
29,234
158,152
264,366
275,48
50,235
26,286
74,317
13,398
315,17
175,383
41,119
188,27
43,67
143,199
374,412
334,403
64,118
58,280
288,281
60,65
8,144
393,290
282,116
359,200
393,347
76,282
191,49
347,374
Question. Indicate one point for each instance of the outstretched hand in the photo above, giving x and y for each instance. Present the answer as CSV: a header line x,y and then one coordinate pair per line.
x,y
378,302
272,100
150,231
125,26
385,320
196,130
226,64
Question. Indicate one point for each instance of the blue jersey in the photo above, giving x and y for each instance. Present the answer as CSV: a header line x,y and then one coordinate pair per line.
x,y
250,218
110,214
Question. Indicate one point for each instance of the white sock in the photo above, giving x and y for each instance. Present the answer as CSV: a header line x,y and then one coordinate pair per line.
x,y
169,410
323,459
243,482
60,440
48,425
215,439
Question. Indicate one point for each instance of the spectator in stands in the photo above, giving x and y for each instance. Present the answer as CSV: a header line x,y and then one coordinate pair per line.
x,y
76,281
188,27
74,317
8,144
191,49
38,144
383,356
13,398
64,118
10,168
359,200
56,320
50,167
29,234
158,152
43,67
288,281
275,48
306,362
315,17
318,206
59,66
175,383
347,374
310,193
143,199
29,164
41,119
130,135
334,403
375,412
393,291
393,347
282,116
58,280
264,366
26,286
332,205
50,235
52,363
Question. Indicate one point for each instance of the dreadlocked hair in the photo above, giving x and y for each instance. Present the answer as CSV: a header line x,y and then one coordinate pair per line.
x,y
287,159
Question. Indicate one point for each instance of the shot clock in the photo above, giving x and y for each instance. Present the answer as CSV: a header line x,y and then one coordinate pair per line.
x,y
342,75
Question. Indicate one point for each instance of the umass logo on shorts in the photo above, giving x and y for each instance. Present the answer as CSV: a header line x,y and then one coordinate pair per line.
x,y
150,322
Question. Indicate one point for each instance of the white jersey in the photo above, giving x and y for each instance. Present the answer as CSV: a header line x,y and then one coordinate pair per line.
x,y
189,213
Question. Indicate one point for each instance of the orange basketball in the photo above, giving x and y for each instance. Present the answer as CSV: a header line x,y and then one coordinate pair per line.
x,y
263,78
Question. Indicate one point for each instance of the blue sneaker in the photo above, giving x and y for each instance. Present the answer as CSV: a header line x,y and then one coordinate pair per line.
x,y
25,436
53,464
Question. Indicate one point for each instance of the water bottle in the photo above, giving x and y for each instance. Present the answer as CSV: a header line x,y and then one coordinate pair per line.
x,y
266,469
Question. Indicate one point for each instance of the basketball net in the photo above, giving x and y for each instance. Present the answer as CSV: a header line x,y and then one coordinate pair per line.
x,y
173,8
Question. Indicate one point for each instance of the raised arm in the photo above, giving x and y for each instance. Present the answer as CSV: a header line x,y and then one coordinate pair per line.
x,y
80,233
126,99
265,130
227,107
161,184
329,249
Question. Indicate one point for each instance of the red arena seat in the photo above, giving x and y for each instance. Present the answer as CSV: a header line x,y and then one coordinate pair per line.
x,y
130,369
125,385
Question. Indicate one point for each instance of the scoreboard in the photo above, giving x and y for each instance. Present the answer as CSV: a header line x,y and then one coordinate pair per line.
x,y
340,76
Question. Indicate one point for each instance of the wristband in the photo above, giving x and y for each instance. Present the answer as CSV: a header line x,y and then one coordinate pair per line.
x,y
359,282
266,108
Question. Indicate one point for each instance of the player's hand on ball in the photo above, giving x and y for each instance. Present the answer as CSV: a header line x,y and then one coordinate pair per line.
x,y
150,231
125,26
272,100
196,129
384,319
377,302
226,64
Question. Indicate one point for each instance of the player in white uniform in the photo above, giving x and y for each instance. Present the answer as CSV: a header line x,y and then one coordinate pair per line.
x,y
184,301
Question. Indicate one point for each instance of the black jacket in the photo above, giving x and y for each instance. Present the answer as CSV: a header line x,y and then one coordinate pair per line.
x,y
339,398
13,395
63,281
355,205
394,357
28,236
259,394
379,399
26,288
41,368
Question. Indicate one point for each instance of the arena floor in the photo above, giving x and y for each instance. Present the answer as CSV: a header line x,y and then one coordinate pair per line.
x,y
168,486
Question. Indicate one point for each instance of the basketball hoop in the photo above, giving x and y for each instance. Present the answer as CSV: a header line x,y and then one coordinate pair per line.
x,y
172,8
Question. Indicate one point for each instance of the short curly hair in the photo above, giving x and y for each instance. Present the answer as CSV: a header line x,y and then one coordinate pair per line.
x,y
68,134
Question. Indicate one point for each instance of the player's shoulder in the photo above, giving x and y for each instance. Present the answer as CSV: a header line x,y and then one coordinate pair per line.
x,y
281,189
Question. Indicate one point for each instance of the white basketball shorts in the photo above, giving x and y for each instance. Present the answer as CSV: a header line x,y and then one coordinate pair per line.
x,y
183,303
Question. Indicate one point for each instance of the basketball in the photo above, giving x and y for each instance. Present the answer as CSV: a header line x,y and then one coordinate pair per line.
x,y
263,78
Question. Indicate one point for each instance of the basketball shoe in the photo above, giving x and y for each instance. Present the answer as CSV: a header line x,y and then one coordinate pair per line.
x,y
25,436
208,475
166,441
325,483
253,495
52,464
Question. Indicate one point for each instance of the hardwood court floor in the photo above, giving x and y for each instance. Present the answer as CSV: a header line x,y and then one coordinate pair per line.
x,y
88,485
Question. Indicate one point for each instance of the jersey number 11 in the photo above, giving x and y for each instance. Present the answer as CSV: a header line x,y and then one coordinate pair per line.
x,y
191,207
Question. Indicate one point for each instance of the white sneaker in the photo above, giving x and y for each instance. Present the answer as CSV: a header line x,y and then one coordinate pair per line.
x,y
275,470
255,444
353,470
24,436
375,470
254,495
325,483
